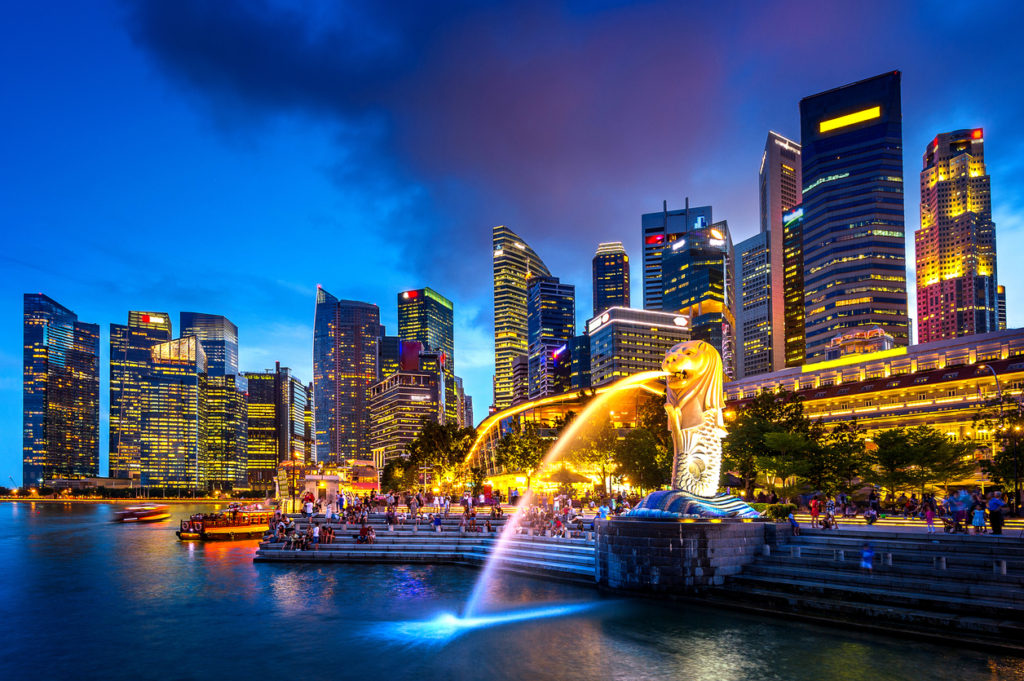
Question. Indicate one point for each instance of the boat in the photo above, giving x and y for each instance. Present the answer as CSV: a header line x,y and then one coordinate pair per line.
x,y
142,514
234,524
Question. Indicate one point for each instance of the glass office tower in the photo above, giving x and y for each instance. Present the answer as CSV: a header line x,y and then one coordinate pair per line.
x,y
611,277
551,325
853,226
279,423
513,263
219,338
424,315
346,334
658,231
61,393
793,286
753,311
130,355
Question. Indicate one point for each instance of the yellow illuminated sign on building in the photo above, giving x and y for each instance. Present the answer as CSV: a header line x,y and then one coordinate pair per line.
x,y
850,119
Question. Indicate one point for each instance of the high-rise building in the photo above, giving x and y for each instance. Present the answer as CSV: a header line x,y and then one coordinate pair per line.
x,y
61,393
793,285
280,423
130,355
611,277
520,379
579,353
956,245
514,262
467,413
1001,302
219,338
346,334
399,406
227,421
658,231
173,446
424,315
853,227
753,312
699,271
551,324
780,184
624,341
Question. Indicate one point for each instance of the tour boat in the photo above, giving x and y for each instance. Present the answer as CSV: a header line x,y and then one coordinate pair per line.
x,y
235,523
142,514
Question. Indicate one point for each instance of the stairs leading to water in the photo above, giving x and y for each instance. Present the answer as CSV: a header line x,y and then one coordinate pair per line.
x,y
564,558
924,585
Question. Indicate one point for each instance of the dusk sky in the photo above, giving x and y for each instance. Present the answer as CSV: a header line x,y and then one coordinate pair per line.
x,y
226,157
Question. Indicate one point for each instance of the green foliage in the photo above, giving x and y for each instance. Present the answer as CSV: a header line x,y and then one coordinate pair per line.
x,y
917,457
521,449
643,460
442,448
399,475
1005,463
777,511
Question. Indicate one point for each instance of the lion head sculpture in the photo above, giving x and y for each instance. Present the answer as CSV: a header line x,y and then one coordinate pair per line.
x,y
694,382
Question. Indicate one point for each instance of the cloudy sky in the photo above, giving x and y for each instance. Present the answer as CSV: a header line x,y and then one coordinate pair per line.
x,y
226,157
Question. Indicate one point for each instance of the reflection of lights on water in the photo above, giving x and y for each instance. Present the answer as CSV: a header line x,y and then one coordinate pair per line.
x,y
447,626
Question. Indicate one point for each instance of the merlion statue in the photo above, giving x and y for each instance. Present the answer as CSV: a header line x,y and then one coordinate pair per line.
x,y
694,401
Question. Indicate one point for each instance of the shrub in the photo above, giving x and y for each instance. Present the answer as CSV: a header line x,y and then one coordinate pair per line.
x,y
778,511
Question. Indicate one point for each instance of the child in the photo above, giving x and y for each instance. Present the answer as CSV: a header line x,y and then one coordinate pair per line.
x,y
794,525
867,557
978,519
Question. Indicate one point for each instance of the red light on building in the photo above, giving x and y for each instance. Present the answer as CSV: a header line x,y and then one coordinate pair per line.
x,y
145,319
410,294
655,239
976,134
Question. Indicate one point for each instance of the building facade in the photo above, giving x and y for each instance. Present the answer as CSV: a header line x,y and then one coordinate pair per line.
x,y
130,355
854,253
955,247
579,372
280,424
1001,302
227,425
610,277
346,334
658,231
61,393
219,338
625,341
779,184
399,406
793,287
551,324
699,275
754,310
424,315
514,263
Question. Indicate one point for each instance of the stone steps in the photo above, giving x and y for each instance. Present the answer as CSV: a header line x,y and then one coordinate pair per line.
x,y
947,579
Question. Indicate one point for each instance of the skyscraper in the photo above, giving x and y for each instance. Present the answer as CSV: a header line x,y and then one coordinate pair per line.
x,y
173,412
399,405
779,183
579,352
658,231
551,324
698,271
625,341
514,262
793,286
61,392
345,338
130,357
1001,301
956,244
753,311
424,315
219,338
279,423
853,237
611,277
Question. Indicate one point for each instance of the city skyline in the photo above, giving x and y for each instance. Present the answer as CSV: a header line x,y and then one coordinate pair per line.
x,y
102,275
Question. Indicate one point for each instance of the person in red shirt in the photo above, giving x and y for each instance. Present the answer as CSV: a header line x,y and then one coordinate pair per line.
x,y
815,511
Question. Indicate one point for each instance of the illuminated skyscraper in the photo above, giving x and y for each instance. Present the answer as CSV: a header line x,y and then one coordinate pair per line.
x,y
957,293
853,239
173,453
226,431
346,334
1001,301
514,263
793,285
61,393
658,231
424,315
279,423
753,312
399,405
698,272
625,341
219,338
611,277
779,183
551,325
130,354
579,373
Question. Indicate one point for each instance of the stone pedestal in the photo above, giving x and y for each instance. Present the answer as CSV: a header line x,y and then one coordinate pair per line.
x,y
677,557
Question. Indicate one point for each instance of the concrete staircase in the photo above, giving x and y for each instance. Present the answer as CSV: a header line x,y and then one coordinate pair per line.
x,y
565,558
920,585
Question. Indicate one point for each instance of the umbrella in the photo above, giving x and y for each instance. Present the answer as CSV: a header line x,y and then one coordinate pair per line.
x,y
565,476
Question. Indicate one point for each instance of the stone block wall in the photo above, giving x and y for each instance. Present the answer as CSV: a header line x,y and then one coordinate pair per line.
x,y
677,557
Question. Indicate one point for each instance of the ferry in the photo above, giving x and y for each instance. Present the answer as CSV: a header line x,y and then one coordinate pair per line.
x,y
142,514
233,524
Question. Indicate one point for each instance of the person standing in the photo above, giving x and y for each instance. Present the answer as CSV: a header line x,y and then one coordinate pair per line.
x,y
815,511
929,514
867,557
995,512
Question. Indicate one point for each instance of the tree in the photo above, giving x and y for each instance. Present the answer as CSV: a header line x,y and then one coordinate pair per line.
x,y
399,474
442,448
785,454
892,458
642,459
521,449
595,448
837,460
918,457
1004,466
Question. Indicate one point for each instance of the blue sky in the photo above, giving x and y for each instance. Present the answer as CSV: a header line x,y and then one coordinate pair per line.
x,y
226,157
